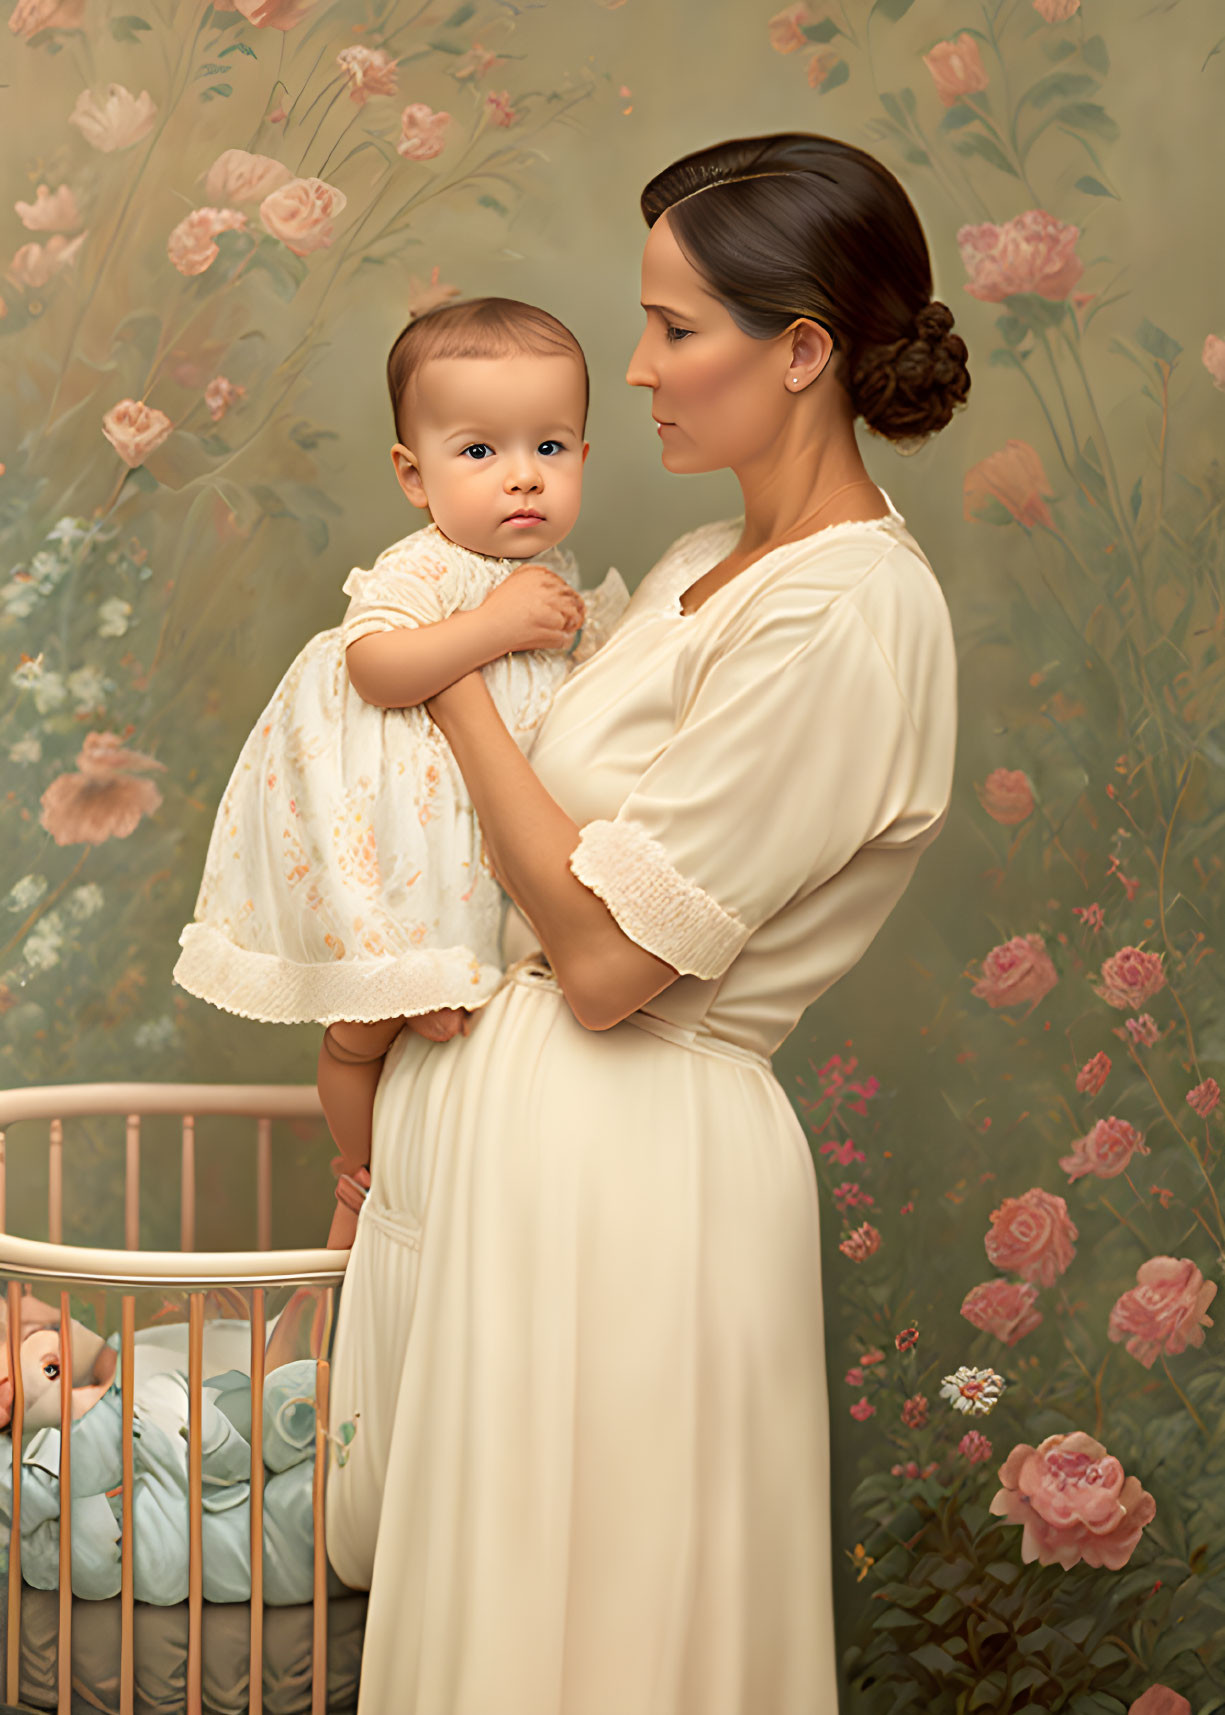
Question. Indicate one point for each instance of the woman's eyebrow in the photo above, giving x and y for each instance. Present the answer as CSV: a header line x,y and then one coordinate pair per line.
x,y
678,315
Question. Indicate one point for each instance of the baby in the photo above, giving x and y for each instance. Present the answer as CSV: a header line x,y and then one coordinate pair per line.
x,y
345,881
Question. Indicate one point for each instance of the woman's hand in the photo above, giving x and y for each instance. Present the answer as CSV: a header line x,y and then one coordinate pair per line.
x,y
533,609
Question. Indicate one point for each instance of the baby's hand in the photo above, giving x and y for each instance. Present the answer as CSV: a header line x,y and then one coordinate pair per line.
x,y
534,609
441,1025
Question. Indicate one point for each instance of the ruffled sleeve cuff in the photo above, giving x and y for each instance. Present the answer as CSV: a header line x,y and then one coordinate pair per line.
x,y
653,903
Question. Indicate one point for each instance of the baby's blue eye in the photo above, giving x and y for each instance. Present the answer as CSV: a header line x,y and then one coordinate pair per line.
x,y
545,445
479,449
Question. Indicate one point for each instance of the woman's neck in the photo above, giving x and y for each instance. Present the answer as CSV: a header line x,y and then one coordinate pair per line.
x,y
785,494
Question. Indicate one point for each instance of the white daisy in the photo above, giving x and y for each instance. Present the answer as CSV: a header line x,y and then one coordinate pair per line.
x,y
975,1391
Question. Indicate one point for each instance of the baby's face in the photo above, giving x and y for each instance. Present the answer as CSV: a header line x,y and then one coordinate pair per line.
x,y
497,450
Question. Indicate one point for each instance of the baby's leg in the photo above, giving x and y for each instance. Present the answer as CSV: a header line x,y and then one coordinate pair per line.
x,y
350,1060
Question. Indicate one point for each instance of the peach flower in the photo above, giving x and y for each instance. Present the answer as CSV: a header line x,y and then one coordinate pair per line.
x,y
300,214
426,295
219,395
1057,11
1004,1308
1007,796
28,17
190,246
1160,1700
238,176
787,29
34,264
1032,252
103,801
116,122
1213,356
423,133
135,430
477,62
499,109
820,66
862,1243
1017,972
1032,1236
957,68
1130,977
273,14
1073,1502
369,71
1166,1311
51,211
1105,1151
1204,1097
1016,479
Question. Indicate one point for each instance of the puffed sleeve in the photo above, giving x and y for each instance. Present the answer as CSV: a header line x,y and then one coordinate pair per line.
x,y
408,585
796,748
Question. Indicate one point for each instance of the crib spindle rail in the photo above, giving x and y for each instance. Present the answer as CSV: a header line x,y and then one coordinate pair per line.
x,y
190,1272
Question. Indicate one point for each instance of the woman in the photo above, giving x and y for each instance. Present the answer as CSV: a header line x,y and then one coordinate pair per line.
x,y
600,1450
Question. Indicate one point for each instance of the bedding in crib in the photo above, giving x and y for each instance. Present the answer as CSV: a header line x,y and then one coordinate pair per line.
x,y
160,1444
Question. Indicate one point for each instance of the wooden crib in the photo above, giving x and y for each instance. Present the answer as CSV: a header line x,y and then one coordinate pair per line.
x,y
127,1273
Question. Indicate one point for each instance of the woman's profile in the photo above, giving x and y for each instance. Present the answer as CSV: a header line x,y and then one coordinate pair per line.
x,y
581,1332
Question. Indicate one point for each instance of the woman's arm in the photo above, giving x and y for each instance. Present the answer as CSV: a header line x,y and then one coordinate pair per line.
x,y
603,974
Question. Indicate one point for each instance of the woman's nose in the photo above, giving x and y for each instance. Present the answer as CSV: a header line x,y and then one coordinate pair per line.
x,y
641,373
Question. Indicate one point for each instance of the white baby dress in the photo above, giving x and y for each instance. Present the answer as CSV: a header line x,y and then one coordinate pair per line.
x,y
345,877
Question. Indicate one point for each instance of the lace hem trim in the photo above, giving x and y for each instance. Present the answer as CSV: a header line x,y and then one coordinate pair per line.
x,y
272,990
653,903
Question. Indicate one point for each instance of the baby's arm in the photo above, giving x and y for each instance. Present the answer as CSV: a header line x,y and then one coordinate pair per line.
x,y
531,609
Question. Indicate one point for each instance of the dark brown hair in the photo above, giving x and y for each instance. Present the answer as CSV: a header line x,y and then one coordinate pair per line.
x,y
476,327
798,225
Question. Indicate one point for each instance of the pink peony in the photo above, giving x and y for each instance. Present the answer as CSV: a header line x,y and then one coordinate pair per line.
x,y
423,133
1105,1151
1007,796
1073,1502
103,801
1015,478
28,17
1204,1097
974,1446
498,108
368,71
1166,1311
1057,11
1213,356
190,246
1160,1700
34,264
1032,1236
862,1243
786,29
1032,252
957,68
238,176
51,211
854,1376
1016,973
863,1409
219,395
914,1411
116,122
1130,977
1143,1030
1093,1074
135,430
1004,1308
273,14
300,214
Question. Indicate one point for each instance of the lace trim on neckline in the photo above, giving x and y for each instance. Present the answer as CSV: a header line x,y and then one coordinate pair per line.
x,y
889,524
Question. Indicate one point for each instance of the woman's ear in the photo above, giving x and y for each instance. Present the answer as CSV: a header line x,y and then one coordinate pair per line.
x,y
408,476
811,350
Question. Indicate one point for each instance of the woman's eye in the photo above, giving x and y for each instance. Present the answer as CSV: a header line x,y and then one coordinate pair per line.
x,y
550,447
478,449
675,335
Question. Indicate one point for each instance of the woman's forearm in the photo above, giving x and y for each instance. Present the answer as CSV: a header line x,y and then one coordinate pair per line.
x,y
397,669
529,838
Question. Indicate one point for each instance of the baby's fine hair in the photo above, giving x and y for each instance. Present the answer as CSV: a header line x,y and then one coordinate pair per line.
x,y
476,327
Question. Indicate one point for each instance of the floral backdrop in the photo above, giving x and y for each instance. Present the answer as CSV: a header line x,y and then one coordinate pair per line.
x,y
219,220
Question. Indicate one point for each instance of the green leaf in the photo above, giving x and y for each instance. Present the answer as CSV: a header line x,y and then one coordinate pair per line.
x,y
285,271
1003,1571
894,1619
1213,51
460,16
838,75
978,144
910,103
488,201
1137,495
893,107
1095,56
891,9
222,89
932,1657
1088,116
128,27
1036,311
1058,85
943,1610
1058,48
212,69
919,157
824,31
1094,187
1012,329
956,117
1157,342
446,47
140,479
238,48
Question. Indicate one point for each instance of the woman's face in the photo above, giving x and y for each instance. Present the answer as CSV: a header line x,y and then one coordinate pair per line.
x,y
722,399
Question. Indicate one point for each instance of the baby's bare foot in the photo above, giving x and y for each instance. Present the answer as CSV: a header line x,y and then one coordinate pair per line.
x,y
440,1025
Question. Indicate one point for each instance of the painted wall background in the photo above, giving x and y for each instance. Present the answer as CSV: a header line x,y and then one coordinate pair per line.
x,y
1012,1100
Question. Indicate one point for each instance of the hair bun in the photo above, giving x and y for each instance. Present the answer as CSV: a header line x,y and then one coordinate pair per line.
x,y
910,387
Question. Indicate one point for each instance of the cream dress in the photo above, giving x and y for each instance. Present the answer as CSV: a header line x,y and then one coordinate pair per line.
x,y
581,1332
345,876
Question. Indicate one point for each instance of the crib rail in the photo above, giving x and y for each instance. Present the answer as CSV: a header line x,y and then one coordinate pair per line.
x,y
192,1273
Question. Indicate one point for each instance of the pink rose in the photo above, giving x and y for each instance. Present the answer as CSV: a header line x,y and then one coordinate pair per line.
x,y
1007,796
786,29
135,430
34,264
1032,252
956,68
863,1409
1018,972
1004,1308
28,17
1056,11
116,122
1213,356
219,395
190,246
1144,1030
238,176
499,109
1160,1700
862,1243
1105,1151
1093,1074
1015,478
974,1446
1165,1312
273,14
368,71
51,211
1032,1236
423,133
1130,977
300,214
1204,1097
1073,1502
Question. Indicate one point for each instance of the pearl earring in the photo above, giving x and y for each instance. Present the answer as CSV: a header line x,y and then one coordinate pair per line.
x,y
795,380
